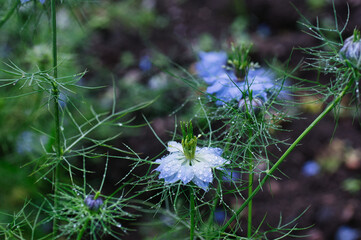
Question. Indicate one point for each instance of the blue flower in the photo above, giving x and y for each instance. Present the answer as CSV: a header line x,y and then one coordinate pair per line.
x,y
352,49
25,1
347,233
224,83
211,64
176,166
311,168
145,64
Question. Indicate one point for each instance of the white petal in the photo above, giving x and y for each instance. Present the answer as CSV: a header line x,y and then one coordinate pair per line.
x,y
211,156
169,165
201,184
186,173
173,146
203,171
171,179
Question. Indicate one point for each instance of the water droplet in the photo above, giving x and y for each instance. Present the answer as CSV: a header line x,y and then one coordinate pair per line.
x,y
120,124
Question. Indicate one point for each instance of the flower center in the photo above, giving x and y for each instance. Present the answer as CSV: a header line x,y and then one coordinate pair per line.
x,y
189,141
240,60
356,35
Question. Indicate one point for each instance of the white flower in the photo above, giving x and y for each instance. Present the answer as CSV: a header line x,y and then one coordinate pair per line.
x,y
176,166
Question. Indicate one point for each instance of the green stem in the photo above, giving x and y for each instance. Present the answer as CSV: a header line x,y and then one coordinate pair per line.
x,y
55,93
81,233
9,13
288,151
54,38
192,209
250,190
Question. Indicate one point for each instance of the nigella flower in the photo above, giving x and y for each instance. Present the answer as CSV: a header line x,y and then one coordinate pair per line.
x,y
351,49
225,85
187,162
176,166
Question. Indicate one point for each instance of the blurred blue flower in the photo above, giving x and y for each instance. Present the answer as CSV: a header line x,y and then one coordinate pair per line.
x,y
29,142
25,142
176,166
145,64
225,85
347,233
311,168
25,1
62,100
211,64
230,176
352,49
220,216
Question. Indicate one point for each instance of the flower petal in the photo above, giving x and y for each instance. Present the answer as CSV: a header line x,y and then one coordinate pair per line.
x,y
173,146
171,179
211,156
203,171
186,173
201,184
169,165
211,63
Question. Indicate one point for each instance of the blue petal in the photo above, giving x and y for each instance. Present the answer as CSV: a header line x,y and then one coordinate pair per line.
x,y
171,179
169,165
201,184
186,173
203,171
211,64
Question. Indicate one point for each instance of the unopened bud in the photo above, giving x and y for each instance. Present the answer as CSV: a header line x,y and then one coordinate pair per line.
x,y
255,106
351,49
93,203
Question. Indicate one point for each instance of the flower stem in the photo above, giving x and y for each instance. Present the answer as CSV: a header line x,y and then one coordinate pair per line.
x,y
81,233
250,190
192,210
288,151
55,92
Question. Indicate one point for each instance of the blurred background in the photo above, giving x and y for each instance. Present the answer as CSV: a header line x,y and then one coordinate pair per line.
x,y
142,45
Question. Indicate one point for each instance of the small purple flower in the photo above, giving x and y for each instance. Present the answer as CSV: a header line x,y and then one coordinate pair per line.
x,y
93,204
352,48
